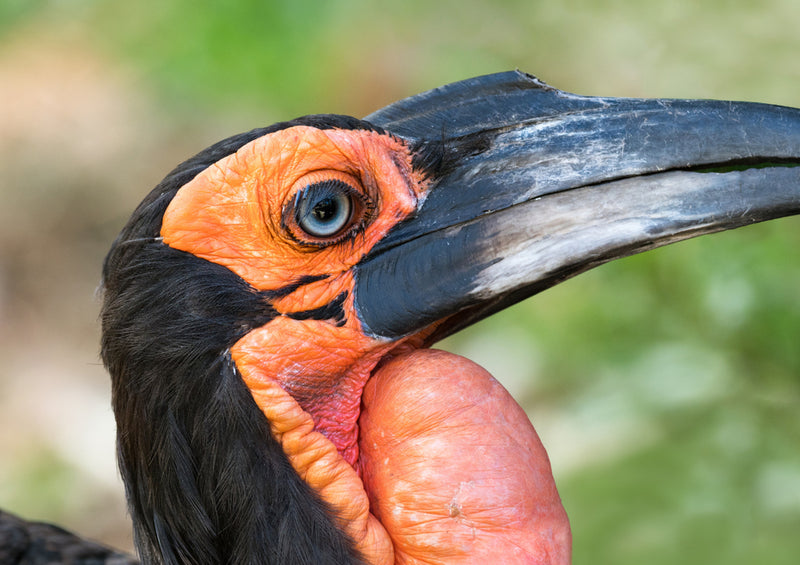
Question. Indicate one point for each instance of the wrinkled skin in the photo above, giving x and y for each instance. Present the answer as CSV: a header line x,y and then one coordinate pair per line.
x,y
470,200
435,463
454,469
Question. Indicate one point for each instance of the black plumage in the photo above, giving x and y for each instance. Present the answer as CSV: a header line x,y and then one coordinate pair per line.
x,y
35,543
205,480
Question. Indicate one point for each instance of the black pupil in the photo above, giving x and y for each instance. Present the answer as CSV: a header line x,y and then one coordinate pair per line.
x,y
326,209
323,209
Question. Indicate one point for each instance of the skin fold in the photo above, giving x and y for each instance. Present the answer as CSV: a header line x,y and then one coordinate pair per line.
x,y
268,305
450,468
453,467
435,462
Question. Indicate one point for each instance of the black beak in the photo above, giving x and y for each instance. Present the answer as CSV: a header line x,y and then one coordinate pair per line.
x,y
532,186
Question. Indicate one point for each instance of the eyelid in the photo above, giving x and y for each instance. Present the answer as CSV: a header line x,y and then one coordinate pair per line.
x,y
322,175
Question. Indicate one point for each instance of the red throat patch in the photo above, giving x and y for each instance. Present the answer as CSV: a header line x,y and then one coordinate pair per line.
x,y
472,497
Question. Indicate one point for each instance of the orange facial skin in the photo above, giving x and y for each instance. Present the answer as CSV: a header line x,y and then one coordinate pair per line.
x,y
317,460
307,374
234,214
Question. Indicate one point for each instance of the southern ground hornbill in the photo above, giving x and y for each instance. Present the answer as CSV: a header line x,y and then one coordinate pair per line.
x,y
269,305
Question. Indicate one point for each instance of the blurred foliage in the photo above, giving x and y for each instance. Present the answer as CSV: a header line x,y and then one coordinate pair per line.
x,y
666,385
13,11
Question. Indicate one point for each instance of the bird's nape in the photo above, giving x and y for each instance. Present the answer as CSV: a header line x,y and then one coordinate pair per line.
x,y
268,305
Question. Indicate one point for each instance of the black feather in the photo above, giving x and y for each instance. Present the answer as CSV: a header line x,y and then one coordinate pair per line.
x,y
333,310
36,543
206,481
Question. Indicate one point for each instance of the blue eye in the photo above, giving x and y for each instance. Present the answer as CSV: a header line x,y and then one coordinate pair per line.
x,y
324,209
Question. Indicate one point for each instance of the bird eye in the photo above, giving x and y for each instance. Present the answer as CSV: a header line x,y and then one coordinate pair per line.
x,y
324,209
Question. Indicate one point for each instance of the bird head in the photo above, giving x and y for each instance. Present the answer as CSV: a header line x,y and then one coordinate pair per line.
x,y
267,282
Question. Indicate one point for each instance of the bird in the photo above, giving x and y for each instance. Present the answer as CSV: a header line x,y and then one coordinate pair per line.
x,y
270,306
37,543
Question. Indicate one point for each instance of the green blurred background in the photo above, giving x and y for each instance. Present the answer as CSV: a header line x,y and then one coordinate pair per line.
x,y
665,386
